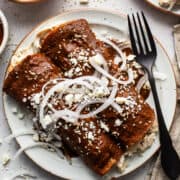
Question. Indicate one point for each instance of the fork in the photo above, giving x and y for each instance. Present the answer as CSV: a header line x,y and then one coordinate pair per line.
x,y
143,46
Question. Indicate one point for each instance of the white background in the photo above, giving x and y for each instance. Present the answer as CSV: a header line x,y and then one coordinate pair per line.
x,y
22,18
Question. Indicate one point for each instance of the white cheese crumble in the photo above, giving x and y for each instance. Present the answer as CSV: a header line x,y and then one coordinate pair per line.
x,y
120,100
100,92
69,99
36,98
98,59
34,119
36,137
47,121
90,136
136,65
147,142
69,73
135,74
73,61
5,159
104,126
78,97
118,122
24,100
123,100
131,57
20,116
146,85
77,69
159,76
121,164
14,110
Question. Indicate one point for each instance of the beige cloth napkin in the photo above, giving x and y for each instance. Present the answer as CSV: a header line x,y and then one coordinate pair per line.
x,y
156,171
176,63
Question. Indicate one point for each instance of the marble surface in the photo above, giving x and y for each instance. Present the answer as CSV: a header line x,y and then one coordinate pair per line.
x,y
22,18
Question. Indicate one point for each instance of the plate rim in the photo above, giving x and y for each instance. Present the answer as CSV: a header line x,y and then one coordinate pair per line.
x,y
113,12
161,9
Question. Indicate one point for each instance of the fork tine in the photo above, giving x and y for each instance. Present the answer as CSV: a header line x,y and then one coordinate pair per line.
x,y
150,36
133,41
143,33
137,34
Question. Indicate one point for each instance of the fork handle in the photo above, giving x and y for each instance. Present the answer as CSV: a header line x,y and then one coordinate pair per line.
x,y
169,157
165,138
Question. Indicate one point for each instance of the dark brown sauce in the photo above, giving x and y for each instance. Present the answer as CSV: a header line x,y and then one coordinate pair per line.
x,y
144,92
68,152
1,32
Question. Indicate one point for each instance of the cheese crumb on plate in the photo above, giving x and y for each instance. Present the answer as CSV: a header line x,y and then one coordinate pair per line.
x,y
5,159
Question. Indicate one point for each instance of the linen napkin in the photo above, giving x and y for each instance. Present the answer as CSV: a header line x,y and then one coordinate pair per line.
x,y
157,171
177,49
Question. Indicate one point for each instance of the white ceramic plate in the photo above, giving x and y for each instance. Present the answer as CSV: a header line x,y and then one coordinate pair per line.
x,y
174,11
101,22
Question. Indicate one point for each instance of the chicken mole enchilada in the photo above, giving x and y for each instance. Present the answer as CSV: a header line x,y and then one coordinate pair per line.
x,y
87,93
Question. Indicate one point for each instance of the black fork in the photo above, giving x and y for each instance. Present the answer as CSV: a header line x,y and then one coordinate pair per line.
x,y
144,48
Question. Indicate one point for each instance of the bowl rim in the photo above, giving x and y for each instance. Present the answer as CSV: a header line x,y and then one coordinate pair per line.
x,y
5,31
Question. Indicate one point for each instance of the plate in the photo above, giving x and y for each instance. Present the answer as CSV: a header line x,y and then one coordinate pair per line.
x,y
101,22
174,11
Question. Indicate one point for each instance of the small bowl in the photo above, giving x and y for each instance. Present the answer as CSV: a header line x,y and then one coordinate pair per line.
x,y
5,31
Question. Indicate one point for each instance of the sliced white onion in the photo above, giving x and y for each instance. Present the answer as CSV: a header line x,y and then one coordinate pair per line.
x,y
40,144
91,79
71,116
85,81
117,60
12,136
83,105
141,82
104,106
22,175
66,114
100,60
49,82
117,107
58,137
102,71
55,88
118,50
97,74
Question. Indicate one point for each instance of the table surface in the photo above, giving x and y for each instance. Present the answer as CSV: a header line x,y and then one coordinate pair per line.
x,y
22,18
